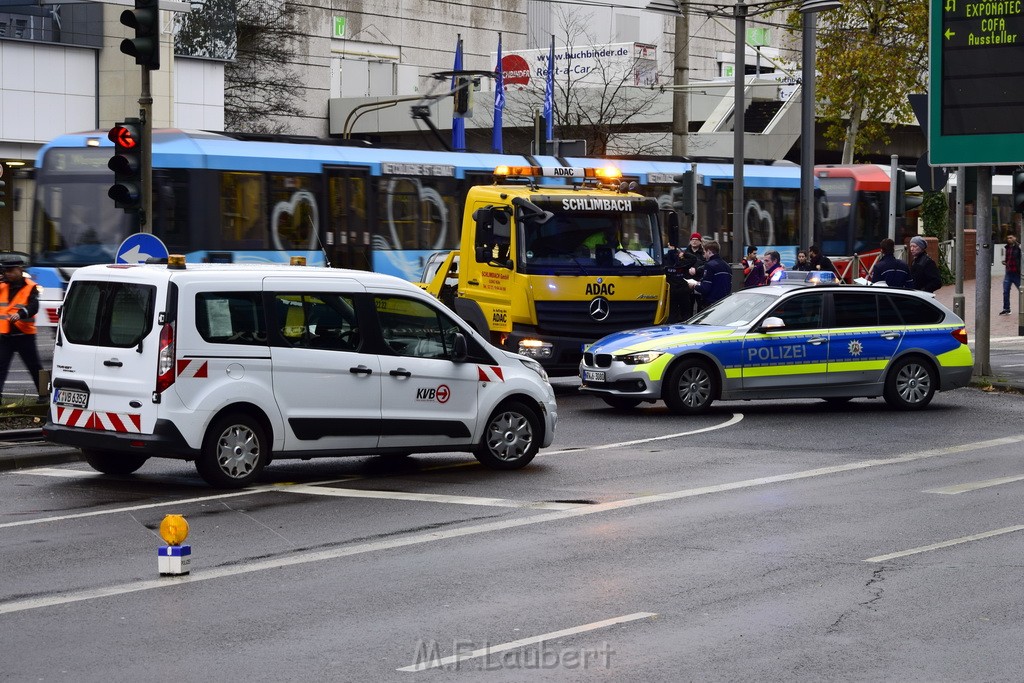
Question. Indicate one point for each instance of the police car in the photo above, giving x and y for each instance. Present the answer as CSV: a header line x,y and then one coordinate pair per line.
x,y
827,341
235,365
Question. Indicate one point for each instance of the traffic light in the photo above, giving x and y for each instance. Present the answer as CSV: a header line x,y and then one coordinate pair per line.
x,y
126,164
907,180
684,194
1018,191
145,46
2,194
462,102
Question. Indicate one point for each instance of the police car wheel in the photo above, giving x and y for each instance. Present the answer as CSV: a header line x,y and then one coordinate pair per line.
x,y
621,402
910,384
111,462
690,388
510,439
235,451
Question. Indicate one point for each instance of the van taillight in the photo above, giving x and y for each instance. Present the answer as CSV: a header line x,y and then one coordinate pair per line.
x,y
165,374
960,334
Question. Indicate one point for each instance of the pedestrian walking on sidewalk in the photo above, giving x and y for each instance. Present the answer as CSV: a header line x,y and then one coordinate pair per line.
x,y
19,303
923,270
1011,259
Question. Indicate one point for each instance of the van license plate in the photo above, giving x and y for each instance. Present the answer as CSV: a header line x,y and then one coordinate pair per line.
x,y
593,376
71,398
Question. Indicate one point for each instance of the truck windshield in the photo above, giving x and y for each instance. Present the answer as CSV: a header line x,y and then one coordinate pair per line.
x,y
593,242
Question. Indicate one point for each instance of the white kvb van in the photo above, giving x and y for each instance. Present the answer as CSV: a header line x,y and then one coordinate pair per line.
x,y
234,365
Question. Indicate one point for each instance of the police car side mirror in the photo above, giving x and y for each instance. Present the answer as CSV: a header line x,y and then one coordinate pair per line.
x,y
460,350
771,323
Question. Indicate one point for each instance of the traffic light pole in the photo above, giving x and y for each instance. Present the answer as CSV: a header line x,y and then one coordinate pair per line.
x,y
146,114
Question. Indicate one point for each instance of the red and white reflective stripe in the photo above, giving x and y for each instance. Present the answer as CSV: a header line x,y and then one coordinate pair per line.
x,y
128,423
192,368
490,373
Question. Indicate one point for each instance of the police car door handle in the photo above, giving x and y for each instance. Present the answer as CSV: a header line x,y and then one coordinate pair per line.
x,y
361,370
113,363
889,335
400,372
817,340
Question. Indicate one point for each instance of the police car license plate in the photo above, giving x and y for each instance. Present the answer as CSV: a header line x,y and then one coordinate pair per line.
x,y
593,376
71,398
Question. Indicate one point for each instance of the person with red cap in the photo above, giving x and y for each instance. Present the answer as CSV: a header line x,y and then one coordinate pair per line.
x,y
691,263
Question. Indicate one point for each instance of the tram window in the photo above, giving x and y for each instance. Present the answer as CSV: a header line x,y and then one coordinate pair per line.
x,y
294,215
242,212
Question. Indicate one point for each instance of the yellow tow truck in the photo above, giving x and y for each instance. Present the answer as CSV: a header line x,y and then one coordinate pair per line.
x,y
545,270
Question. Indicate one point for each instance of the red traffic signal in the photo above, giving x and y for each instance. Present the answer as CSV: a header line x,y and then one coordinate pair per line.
x,y
124,136
126,164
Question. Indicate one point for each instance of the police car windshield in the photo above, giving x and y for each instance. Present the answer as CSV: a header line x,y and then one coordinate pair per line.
x,y
736,310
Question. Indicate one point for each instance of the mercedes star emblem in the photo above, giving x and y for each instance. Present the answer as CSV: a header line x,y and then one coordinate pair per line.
x,y
599,309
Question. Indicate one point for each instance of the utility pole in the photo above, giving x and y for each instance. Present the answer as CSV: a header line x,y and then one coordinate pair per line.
x,y
681,77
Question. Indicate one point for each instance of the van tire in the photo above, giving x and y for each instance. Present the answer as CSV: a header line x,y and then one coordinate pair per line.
x,y
511,437
112,462
235,451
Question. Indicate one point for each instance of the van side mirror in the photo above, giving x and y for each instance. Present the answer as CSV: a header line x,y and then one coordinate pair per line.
x,y
460,350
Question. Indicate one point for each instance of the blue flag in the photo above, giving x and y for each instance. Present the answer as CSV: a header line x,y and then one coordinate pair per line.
x,y
458,123
549,95
499,103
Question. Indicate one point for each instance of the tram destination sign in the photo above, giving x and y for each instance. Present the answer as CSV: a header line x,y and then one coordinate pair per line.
x,y
976,96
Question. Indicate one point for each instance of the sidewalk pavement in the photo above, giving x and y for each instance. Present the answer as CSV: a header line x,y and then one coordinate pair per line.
x,y
1006,358
1006,345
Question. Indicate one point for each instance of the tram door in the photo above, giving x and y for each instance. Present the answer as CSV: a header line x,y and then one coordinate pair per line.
x,y
348,234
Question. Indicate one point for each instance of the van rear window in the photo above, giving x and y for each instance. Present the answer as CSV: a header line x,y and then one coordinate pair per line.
x,y
117,314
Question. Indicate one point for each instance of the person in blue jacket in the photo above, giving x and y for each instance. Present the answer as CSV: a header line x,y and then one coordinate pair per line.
x,y
716,282
889,269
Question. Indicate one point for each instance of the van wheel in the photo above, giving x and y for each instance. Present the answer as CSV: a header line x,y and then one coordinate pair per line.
x,y
111,462
910,384
690,387
510,439
235,451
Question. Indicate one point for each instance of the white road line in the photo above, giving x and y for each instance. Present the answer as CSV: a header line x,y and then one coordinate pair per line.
x,y
737,417
472,530
975,485
427,498
946,544
505,647
57,472
146,506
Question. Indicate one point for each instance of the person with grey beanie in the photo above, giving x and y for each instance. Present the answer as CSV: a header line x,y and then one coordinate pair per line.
x,y
922,268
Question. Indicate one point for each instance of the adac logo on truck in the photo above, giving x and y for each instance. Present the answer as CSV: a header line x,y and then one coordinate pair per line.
x,y
600,288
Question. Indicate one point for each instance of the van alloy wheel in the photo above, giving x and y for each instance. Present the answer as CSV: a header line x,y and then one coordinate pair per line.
x,y
235,450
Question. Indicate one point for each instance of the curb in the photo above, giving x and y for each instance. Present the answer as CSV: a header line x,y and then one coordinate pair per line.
x,y
17,462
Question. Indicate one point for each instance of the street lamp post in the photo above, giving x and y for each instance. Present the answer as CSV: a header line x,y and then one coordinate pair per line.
x,y
810,10
738,125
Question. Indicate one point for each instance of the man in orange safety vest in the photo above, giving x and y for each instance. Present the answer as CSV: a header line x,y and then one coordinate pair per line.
x,y
19,303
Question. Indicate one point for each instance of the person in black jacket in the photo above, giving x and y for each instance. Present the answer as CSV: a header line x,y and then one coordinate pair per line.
x,y
819,261
691,265
923,270
889,269
716,282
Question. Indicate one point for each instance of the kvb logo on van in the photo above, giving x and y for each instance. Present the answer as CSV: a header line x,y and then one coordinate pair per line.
x,y
441,394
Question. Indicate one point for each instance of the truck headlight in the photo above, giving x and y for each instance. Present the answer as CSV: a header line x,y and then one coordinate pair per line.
x,y
640,358
535,348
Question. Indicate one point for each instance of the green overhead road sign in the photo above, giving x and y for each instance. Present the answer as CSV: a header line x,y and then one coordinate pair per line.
x,y
976,92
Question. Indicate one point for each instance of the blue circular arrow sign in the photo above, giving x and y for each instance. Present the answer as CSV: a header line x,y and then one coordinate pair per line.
x,y
140,247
